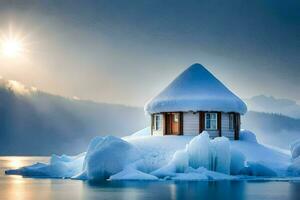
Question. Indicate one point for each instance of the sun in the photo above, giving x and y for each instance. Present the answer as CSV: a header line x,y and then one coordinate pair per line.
x,y
12,47
13,43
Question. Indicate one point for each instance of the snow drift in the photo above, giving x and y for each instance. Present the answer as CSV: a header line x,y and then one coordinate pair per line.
x,y
294,168
107,156
144,157
200,153
295,149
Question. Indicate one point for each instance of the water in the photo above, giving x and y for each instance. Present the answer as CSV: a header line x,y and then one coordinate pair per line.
x,y
18,188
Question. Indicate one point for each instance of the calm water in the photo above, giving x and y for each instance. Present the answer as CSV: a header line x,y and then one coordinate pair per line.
x,y
16,187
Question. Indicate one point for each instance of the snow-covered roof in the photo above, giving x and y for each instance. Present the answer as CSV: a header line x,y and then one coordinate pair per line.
x,y
196,89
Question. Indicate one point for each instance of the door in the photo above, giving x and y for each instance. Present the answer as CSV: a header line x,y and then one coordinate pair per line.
x,y
173,124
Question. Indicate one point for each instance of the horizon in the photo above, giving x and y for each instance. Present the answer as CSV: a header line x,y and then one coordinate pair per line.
x,y
30,88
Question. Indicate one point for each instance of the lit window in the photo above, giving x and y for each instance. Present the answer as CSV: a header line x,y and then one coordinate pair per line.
x,y
157,122
175,117
231,121
211,121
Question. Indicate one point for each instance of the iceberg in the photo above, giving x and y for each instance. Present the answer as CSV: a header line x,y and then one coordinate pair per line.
x,y
194,158
294,168
258,169
237,161
58,167
107,156
131,173
295,149
200,152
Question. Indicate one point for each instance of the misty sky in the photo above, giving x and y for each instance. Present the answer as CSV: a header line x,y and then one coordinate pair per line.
x,y
127,51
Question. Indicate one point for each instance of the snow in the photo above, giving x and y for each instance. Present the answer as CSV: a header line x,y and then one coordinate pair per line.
x,y
199,151
247,136
211,175
196,89
143,132
131,174
107,156
295,149
257,153
157,151
180,158
237,161
211,154
258,169
91,148
220,156
294,168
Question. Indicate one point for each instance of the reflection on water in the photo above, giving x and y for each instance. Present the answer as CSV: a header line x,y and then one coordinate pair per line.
x,y
13,162
18,188
169,190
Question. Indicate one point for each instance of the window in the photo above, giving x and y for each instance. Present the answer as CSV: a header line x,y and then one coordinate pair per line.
x,y
211,121
175,117
231,121
157,122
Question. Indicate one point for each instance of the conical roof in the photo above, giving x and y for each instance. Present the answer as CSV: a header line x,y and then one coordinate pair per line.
x,y
196,89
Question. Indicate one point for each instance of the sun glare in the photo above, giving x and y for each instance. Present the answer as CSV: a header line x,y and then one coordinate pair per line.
x,y
15,164
12,47
12,43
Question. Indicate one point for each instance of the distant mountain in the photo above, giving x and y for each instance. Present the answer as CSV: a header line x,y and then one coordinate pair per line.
x,y
33,122
273,129
271,104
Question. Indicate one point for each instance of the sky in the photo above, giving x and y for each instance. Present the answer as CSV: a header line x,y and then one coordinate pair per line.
x,y
125,52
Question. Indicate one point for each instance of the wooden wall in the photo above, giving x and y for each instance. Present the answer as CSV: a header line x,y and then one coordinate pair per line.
x,y
237,126
190,123
193,124
225,127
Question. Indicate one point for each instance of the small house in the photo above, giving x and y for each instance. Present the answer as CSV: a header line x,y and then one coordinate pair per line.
x,y
196,101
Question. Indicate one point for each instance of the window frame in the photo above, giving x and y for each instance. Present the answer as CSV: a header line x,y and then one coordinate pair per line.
x,y
210,119
158,120
231,121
